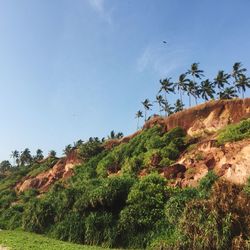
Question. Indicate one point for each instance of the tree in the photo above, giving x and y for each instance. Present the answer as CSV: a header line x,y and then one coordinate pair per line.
x,y
167,86
78,143
146,104
113,135
15,156
221,79
138,115
178,106
52,153
160,101
242,83
182,84
237,71
167,108
67,149
207,90
5,166
192,90
195,72
39,155
25,157
228,93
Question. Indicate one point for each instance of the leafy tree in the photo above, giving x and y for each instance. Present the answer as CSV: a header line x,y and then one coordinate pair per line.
x,y
228,93
237,71
78,143
207,90
5,166
221,79
242,83
181,84
147,106
138,115
113,135
178,106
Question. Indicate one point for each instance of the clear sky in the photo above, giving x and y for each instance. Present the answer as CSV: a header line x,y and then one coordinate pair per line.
x,y
71,69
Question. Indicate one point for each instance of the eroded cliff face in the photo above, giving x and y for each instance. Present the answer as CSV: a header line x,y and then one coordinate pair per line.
x,y
231,161
61,170
207,117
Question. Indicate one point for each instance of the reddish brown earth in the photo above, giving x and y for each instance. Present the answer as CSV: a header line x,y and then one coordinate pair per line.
x,y
231,161
61,170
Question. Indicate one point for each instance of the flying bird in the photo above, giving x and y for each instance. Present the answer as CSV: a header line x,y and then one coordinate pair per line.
x,y
164,41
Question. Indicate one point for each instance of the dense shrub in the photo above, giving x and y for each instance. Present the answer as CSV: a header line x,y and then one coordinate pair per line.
x,y
235,132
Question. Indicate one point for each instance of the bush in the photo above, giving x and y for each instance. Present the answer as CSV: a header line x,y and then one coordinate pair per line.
x,y
235,132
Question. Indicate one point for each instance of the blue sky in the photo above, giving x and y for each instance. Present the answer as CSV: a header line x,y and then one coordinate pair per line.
x,y
74,69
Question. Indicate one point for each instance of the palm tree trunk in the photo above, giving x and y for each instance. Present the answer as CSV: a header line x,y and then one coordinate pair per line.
x,y
145,117
189,100
137,123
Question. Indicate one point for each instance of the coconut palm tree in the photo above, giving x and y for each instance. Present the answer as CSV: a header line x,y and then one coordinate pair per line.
x,y
39,155
146,104
52,153
15,156
167,86
221,79
178,106
228,93
237,70
160,100
181,85
167,108
242,84
195,72
25,157
67,149
138,115
192,90
207,90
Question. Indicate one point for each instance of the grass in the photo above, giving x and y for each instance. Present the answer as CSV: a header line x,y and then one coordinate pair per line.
x,y
19,240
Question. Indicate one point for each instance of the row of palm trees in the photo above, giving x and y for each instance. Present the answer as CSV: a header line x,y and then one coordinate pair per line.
x,y
25,158
194,84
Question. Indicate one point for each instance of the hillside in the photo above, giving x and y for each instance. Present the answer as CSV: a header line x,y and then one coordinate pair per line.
x,y
182,182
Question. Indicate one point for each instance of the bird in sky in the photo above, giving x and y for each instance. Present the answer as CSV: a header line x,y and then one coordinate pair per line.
x,y
164,42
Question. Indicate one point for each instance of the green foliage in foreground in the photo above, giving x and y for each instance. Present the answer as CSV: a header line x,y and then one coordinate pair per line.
x,y
235,132
127,211
19,240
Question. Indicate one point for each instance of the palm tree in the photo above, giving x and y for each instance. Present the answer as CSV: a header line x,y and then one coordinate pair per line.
x,y
167,108
237,70
39,155
138,115
182,84
192,89
178,106
195,71
52,153
221,79
206,90
242,83
228,93
160,101
67,149
25,157
167,86
78,143
15,156
146,103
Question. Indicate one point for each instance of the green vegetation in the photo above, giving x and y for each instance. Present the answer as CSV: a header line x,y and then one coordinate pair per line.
x,y
108,203
19,240
235,132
